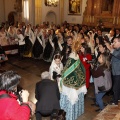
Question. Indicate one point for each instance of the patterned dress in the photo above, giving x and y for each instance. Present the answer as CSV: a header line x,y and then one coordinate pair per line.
x,y
73,88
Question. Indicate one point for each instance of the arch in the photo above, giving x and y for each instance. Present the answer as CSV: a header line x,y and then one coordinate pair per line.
x,y
11,17
51,17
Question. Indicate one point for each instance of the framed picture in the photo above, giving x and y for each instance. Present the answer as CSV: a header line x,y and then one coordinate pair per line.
x,y
74,7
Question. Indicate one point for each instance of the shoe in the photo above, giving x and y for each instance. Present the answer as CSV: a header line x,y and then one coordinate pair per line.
x,y
98,110
94,105
114,104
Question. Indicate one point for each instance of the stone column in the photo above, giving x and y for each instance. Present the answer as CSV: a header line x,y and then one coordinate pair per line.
x,y
61,4
32,12
38,11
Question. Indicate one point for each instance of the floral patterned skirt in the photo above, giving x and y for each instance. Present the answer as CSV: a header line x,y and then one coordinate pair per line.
x,y
72,110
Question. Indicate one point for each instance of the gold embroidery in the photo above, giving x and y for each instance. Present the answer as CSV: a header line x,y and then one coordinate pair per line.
x,y
76,78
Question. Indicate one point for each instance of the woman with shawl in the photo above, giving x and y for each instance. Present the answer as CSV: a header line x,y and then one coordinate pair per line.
x,y
12,36
50,46
4,39
29,41
60,42
55,69
73,85
38,45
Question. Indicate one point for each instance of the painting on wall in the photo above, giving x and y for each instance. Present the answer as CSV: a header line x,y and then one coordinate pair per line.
x,y
75,7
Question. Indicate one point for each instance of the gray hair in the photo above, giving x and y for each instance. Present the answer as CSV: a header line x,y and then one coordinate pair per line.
x,y
45,75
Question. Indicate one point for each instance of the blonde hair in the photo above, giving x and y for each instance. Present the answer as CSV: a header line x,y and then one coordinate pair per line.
x,y
106,60
76,45
57,31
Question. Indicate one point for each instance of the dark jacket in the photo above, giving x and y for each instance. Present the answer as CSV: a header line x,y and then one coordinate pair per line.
x,y
116,62
47,94
65,53
98,71
102,77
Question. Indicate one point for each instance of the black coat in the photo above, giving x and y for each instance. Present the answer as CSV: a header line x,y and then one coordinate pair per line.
x,y
65,54
37,48
47,94
48,51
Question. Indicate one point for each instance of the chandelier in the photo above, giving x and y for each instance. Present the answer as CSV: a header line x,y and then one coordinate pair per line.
x,y
53,3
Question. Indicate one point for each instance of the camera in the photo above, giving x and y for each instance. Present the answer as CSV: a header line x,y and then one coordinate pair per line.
x,y
93,62
19,90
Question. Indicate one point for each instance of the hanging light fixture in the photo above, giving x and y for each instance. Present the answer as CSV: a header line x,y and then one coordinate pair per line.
x,y
51,3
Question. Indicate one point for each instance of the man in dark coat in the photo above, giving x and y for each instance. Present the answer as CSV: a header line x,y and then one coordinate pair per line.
x,y
47,95
115,64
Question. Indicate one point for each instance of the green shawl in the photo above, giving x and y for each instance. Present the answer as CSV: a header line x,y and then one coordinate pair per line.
x,y
73,74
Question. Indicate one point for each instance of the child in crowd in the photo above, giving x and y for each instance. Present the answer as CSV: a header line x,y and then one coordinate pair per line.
x,y
101,75
56,68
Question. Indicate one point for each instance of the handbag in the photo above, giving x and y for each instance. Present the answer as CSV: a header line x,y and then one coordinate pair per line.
x,y
58,114
101,89
107,82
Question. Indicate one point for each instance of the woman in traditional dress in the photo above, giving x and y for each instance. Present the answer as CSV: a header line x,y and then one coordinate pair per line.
x,y
29,41
12,36
60,42
38,45
55,68
73,85
44,37
4,39
50,46
90,42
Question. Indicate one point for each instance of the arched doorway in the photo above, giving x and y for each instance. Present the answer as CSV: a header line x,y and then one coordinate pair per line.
x,y
11,17
51,17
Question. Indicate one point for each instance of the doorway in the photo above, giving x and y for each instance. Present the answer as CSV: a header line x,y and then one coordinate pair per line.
x,y
51,17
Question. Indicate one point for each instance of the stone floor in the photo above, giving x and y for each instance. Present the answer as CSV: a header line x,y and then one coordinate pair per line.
x,y
30,70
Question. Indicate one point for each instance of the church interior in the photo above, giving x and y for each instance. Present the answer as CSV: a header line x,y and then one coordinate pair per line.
x,y
64,16
89,12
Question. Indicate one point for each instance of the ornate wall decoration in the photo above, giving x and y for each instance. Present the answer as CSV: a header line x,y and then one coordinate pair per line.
x,y
18,6
74,7
51,3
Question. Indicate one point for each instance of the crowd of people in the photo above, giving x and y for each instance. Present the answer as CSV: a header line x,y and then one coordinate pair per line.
x,y
77,53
